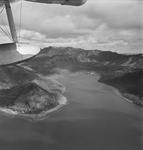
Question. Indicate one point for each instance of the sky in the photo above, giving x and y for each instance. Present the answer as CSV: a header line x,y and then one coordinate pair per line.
x,y
109,25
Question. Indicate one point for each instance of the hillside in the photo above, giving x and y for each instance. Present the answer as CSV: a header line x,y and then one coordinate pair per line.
x,y
25,92
121,71
24,89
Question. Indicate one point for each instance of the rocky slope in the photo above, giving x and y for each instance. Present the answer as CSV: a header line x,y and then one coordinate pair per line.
x,y
25,92
119,70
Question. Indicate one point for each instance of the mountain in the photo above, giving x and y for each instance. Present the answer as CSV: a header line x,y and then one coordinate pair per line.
x,y
96,57
23,87
125,72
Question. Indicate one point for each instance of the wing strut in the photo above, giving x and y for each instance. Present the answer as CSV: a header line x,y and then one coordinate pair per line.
x,y
11,20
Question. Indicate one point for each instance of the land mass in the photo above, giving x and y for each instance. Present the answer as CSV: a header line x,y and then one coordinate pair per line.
x,y
26,90
122,71
23,92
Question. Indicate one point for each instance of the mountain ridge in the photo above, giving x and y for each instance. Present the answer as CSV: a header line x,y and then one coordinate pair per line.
x,y
124,72
110,65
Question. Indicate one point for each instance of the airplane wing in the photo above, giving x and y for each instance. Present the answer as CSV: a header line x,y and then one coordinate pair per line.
x,y
62,2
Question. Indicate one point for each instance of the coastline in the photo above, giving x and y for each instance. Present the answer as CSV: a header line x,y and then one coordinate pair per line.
x,y
114,88
130,98
62,101
49,85
117,91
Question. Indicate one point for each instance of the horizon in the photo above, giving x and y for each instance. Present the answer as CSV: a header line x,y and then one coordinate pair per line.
x,y
130,53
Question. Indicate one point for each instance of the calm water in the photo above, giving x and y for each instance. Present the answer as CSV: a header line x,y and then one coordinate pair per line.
x,y
95,118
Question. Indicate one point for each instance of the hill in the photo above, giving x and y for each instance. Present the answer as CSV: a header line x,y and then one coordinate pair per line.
x,y
26,92
23,87
119,70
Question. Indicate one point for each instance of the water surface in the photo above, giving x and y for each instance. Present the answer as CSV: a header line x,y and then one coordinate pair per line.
x,y
95,118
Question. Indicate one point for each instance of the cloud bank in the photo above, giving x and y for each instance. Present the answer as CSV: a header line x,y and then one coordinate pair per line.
x,y
115,25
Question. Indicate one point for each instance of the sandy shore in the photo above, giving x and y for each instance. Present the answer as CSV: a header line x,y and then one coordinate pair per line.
x,y
62,101
48,84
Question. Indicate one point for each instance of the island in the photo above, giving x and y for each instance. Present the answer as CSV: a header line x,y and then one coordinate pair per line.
x,y
25,93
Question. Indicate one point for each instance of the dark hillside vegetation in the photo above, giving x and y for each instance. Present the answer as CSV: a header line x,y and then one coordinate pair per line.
x,y
125,72
19,91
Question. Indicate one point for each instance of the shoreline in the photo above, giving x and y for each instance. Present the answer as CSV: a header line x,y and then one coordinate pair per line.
x,y
114,88
126,96
130,98
46,84
62,101
117,92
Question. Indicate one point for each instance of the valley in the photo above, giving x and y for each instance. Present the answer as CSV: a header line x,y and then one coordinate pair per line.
x,y
124,72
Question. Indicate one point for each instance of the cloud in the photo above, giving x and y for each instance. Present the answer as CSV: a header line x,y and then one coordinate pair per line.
x,y
105,24
122,14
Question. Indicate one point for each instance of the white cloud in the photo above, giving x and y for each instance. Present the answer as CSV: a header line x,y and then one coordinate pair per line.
x,y
105,24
